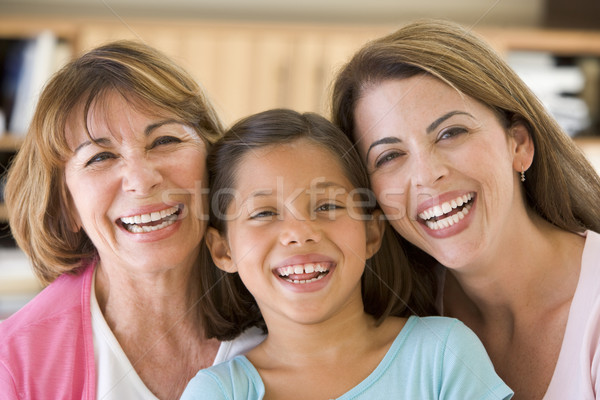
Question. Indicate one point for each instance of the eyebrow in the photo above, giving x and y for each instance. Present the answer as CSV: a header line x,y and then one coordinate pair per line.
x,y
429,129
444,117
328,184
147,131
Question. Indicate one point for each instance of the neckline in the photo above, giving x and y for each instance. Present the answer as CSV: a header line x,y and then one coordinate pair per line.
x,y
383,365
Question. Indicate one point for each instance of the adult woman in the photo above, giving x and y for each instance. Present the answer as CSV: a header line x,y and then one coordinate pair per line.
x,y
448,133
106,198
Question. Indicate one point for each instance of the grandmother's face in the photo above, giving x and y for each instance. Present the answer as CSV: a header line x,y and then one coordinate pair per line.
x,y
138,185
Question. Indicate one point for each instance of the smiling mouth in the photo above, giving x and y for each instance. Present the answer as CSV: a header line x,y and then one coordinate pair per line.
x,y
145,223
304,273
448,213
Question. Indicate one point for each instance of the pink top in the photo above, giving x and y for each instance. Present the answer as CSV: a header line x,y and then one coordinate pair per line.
x,y
577,372
46,348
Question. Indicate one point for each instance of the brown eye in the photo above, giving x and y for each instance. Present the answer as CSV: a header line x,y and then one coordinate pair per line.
x,y
103,156
329,207
386,158
451,132
163,140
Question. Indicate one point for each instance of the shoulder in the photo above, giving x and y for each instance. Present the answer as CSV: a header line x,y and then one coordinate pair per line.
x,y
240,345
236,378
443,338
591,251
63,298
429,338
455,358
439,328
52,329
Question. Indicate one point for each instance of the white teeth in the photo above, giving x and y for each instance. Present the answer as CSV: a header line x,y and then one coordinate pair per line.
x,y
132,223
302,269
146,229
306,281
145,218
448,221
445,208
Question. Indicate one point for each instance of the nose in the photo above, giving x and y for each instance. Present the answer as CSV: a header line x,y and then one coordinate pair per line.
x,y
298,231
140,176
427,168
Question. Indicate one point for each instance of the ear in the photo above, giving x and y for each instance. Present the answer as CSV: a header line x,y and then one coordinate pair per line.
x,y
375,229
219,250
523,146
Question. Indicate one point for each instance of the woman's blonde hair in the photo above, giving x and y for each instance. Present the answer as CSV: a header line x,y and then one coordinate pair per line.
x,y
561,186
36,195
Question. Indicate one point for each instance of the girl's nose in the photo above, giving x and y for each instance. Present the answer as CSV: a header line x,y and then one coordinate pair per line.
x,y
299,231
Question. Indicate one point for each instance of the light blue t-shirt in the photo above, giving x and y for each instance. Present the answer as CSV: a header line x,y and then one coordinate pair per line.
x,y
431,358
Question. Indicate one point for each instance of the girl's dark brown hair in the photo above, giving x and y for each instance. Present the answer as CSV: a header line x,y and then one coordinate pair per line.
x,y
390,285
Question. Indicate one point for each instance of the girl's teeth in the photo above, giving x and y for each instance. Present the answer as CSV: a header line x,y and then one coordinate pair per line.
x,y
306,281
302,269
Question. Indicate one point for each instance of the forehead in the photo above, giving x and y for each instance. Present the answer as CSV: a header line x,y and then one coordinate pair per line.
x,y
421,93
413,102
110,113
299,164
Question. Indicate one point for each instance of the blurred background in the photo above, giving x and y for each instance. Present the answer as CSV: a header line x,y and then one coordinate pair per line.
x,y
251,55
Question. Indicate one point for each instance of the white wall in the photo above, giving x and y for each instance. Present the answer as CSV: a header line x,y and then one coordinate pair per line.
x,y
471,12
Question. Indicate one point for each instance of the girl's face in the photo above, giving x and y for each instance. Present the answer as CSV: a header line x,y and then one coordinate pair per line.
x,y
136,187
442,166
296,234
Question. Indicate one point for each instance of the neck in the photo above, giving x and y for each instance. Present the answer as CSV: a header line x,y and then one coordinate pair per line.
x,y
137,299
310,344
524,274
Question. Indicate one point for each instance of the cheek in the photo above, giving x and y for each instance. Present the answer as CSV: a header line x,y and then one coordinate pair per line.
x,y
390,195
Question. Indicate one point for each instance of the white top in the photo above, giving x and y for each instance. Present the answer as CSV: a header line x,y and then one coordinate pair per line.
x,y
116,377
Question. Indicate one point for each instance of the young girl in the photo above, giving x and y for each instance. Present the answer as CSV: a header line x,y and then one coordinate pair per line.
x,y
293,219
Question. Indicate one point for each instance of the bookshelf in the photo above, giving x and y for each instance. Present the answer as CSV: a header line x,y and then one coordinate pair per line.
x,y
250,66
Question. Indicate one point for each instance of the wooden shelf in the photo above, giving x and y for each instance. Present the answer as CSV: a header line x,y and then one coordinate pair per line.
x,y
10,142
559,42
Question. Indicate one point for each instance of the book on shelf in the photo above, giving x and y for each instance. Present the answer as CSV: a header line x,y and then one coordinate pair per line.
x,y
558,86
25,66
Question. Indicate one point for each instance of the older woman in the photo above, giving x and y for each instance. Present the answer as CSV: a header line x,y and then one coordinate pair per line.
x,y
470,169
106,196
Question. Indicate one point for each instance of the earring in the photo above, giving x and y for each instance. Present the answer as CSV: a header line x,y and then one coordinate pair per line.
x,y
522,174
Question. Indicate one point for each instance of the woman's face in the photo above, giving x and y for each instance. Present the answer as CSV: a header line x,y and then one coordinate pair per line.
x,y
137,187
441,166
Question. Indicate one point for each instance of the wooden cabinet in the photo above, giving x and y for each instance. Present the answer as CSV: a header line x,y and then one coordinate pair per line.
x,y
248,67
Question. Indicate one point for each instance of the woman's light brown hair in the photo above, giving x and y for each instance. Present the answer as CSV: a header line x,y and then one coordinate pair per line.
x,y
561,186
36,196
